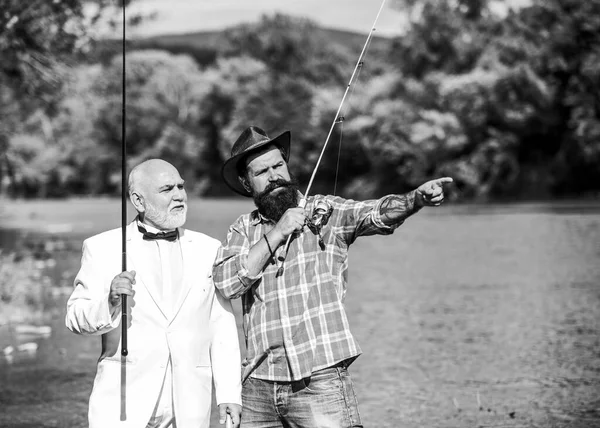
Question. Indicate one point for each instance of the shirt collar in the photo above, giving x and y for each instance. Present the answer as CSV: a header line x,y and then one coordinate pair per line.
x,y
256,217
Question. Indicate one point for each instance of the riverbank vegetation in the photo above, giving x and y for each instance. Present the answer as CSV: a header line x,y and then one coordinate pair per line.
x,y
505,103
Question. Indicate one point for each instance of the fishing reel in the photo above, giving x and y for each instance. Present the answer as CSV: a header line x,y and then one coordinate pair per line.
x,y
319,218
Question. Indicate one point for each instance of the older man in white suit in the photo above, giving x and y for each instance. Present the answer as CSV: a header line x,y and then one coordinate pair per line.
x,y
181,334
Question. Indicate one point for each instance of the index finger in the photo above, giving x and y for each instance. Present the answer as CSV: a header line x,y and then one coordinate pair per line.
x,y
444,180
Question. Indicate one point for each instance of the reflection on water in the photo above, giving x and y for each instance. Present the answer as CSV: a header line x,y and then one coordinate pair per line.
x,y
55,259
39,349
464,320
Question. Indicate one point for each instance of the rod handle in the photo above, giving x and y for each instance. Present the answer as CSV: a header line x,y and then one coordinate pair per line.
x,y
124,350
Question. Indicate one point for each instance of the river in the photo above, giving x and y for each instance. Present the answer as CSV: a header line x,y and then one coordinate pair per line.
x,y
468,316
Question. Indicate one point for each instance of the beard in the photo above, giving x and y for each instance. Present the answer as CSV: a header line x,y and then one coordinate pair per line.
x,y
273,206
165,220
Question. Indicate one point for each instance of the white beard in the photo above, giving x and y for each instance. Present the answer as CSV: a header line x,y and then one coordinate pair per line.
x,y
165,220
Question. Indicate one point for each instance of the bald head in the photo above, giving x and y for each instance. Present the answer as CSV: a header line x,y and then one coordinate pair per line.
x,y
143,175
156,191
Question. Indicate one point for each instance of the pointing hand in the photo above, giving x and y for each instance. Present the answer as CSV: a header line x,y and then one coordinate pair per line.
x,y
431,193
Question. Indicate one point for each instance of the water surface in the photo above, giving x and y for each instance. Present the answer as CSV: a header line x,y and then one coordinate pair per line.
x,y
468,316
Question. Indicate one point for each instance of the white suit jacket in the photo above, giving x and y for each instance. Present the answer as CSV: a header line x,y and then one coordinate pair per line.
x,y
200,337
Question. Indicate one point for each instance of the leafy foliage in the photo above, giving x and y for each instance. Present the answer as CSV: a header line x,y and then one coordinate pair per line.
x,y
506,103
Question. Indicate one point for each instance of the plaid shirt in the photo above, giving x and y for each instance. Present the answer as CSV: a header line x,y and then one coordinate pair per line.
x,y
295,324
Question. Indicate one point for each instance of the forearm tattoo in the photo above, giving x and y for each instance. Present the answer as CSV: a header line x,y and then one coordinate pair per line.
x,y
397,208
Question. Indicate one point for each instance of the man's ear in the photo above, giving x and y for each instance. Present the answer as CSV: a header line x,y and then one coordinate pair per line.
x,y
138,201
245,184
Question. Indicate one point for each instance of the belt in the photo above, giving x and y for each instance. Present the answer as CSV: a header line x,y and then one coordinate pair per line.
x,y
341,365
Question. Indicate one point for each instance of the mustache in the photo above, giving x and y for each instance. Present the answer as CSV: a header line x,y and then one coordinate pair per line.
x,y
280,182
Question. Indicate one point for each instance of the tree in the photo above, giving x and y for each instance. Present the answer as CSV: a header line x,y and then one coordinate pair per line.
x,y
164,109
523,86
290,46
40,43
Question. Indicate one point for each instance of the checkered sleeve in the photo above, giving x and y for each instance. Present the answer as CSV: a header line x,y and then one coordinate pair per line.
x,y
376,217
359,218
230,271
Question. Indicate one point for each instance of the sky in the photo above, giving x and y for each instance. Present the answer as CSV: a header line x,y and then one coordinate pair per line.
x,y
183,16
186,16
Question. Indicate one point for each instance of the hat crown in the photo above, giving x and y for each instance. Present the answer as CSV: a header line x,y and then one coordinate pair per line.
x,y
251,137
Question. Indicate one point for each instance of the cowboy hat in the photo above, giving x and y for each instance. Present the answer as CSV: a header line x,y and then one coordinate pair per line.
x,y
252,139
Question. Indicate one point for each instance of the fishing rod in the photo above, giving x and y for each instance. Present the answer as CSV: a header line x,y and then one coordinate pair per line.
x,y
124,350
337,119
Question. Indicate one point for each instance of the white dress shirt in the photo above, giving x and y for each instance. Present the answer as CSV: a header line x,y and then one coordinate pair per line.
x,y
167,264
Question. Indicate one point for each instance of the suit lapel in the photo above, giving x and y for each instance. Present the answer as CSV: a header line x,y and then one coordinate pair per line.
x,y
189,259
139,256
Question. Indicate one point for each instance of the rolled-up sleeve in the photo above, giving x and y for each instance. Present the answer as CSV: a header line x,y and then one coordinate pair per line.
x,y
230,271
378,222
359,218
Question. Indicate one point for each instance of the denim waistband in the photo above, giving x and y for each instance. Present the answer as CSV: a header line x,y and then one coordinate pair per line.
x,y
340,365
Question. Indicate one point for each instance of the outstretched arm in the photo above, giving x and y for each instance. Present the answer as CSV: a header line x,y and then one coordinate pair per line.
x,y
397,208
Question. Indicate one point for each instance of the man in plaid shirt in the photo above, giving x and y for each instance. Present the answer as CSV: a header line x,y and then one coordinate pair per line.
x,y
298,341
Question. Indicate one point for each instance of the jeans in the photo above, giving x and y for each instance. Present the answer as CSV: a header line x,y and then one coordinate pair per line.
x,y
324,400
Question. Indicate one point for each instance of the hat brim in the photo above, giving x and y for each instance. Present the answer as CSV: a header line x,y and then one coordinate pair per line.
x,y
229,172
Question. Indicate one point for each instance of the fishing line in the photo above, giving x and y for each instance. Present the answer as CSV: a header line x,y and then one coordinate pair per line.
x,y
342,118
302,202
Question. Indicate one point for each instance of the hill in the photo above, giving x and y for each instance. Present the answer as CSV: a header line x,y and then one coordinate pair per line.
x,y
204,46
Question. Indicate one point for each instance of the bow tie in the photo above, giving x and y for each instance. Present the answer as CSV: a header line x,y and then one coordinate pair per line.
x,y
149,236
